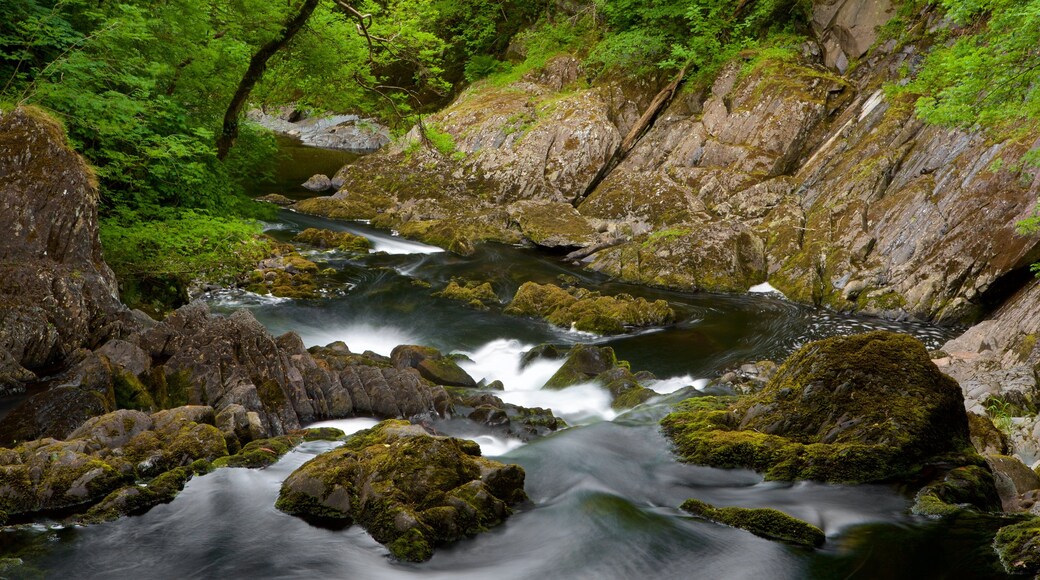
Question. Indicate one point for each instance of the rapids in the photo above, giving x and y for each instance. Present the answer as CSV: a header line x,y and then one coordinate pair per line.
x,y
604,492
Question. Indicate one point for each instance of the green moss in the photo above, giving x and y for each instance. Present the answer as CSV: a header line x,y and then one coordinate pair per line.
x,y
271,394
1018,546
970,487
477,294
131,393
852,409
765,522
344,241
410,490
588,311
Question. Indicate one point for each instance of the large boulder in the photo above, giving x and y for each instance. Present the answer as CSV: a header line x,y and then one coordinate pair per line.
x,y
867,407
600,365
56,292
412,491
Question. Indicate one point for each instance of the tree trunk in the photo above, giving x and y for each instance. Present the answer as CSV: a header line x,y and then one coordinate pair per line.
x,y
254,73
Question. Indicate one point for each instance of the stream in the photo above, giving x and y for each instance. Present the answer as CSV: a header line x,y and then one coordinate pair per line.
x,y
603,493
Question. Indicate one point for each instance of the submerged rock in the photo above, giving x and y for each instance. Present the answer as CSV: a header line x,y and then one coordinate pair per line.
x,y
766,522
410,490
588,311
868,407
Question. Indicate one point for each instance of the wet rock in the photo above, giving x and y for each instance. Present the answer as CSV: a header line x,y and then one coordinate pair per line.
x,y
862,408
55,413
581,309
126,355
411,491
114,429
541,352
748,378
765,522
985,437
136,499
264,452
584,363
525,423
710,257
1017,545
432,365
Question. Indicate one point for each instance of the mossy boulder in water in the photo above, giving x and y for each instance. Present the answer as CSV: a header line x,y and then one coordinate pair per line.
x,y
868,407
588,311
412,491
967,487
477,294
265,452
765,522
551,224
329,239
599,364
1018,546
432,365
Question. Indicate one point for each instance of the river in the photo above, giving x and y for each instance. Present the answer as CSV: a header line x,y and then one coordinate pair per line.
x,y
603,493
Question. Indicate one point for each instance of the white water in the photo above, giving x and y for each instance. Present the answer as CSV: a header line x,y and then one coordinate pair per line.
x,y
666,386
396,245
764,288
359,337
500,360
490,446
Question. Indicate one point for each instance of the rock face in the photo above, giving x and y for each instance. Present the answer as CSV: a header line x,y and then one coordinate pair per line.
x,y
796,170
863,408
348,132
410,490
56,292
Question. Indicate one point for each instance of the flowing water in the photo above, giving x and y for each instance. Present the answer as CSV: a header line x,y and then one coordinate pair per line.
x,y
604,493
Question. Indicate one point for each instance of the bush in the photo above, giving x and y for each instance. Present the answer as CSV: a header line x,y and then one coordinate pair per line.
x,y
157,259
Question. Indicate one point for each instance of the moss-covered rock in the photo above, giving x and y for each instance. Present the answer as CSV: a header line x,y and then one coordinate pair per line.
x,y
477,294
432,365
862,408
136,499
344,241
968,487
265,452
584,363
587,311
551,225
765,522
412,491
1018,546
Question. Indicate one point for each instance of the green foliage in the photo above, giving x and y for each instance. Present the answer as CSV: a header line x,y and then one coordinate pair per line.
x,y
156,257
698,34
989,75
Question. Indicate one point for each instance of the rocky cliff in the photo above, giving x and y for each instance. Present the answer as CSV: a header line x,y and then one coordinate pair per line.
x,y
56,292
799,169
